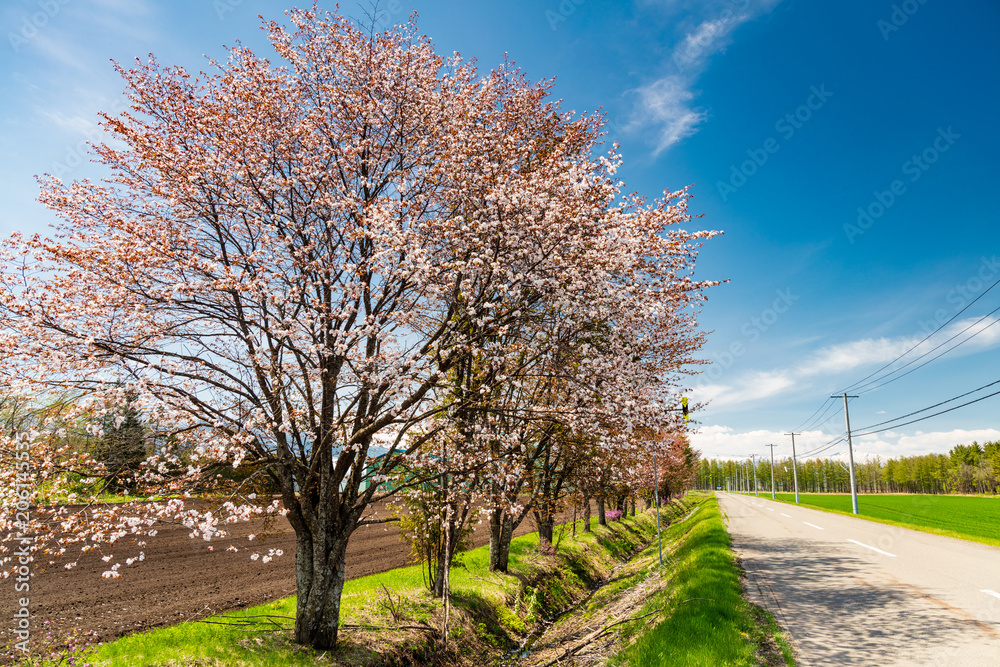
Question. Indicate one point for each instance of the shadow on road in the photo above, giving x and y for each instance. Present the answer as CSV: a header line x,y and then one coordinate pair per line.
x,y
842,611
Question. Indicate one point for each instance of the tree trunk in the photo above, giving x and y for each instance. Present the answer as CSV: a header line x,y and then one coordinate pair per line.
x,y
545,522
501,532
446,554
601,519
586,515
442,564
319,582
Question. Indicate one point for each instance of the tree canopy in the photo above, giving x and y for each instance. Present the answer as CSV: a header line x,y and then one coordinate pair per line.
x,y
309,271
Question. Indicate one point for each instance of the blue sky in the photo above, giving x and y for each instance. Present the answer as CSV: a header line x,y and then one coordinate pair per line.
x,y
847,149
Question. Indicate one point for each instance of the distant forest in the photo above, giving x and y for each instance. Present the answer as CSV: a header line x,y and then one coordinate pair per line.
x,y
971,468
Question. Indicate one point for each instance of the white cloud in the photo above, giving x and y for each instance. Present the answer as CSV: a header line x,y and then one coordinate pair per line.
x,y
709,392
72,123
968,336
725,442
848,356
891,444
749,387
664,106
869,351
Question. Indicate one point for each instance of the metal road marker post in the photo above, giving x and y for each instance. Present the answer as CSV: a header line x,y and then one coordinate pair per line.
x,y
656,497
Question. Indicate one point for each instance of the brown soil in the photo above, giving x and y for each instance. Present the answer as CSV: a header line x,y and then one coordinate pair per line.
x,y
181,579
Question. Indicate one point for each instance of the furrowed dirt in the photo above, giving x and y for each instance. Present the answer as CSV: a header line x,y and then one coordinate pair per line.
x,y
181,579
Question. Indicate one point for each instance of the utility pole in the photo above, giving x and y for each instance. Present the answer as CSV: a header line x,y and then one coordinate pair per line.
x,y
753,463
772,471
850,453
795,471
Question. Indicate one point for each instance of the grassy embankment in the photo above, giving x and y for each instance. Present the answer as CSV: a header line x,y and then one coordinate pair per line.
x,y
491,612
974,518
709,622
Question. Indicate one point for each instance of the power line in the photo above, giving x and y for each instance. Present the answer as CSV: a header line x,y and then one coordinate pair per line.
x,y
930,407
809,418
888,428
822,448
928,336
827,419
865,391
818,420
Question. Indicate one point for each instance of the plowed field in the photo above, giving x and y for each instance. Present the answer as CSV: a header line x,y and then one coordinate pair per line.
x,y
181,579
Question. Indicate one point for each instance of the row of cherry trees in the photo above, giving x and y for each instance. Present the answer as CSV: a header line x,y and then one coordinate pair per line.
x,y
971,468
358,272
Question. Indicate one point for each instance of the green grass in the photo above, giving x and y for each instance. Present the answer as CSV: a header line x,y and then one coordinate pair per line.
x,y
493,610
975,518
709,622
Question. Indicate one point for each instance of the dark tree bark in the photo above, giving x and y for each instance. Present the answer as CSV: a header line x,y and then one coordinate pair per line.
x,y
501,533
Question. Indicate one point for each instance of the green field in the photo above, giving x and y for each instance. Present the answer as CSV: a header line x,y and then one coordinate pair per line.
x,y
973,518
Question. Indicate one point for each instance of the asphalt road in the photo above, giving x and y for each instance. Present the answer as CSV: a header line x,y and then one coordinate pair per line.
x,y
856,592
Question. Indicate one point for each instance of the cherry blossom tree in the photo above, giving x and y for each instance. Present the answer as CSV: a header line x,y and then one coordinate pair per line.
x,y
285,264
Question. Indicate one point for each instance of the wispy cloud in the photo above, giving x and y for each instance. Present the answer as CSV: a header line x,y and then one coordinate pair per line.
x,y
832,362
750,387
977,333
664,108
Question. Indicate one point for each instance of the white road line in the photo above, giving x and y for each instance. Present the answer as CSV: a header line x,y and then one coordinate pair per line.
x,y
989,592
769,509
812,524
861,544
783,514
